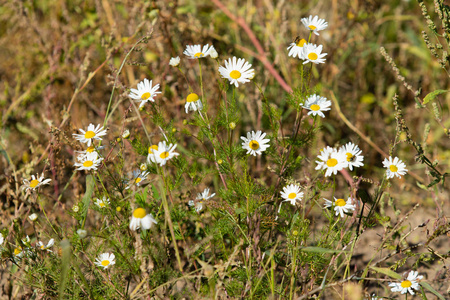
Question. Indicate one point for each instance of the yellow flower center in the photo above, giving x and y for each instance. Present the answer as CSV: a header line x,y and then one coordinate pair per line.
x,y
406,284
145,96
105,262
139,213
192,97
199,54
332,162
88,163
17,251
315,107
349,156
102,204
34,183
235,74
89,134
137,180
301,43
292,195
164,155
151,148
254,145
90,149
340,202
393,168
312,27
312,56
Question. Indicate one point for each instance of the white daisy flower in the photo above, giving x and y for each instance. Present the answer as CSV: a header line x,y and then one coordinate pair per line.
x,y
26,240
162,153
33,217
237,71
105,260
141,219
88,162
92,133
138,177
213,53
44,247
317,105
145,92
314,24
331,160
201,197
198,205
411,283
193,103
296,48
291,193
255,143
35,182
102,203
126,134
353,153
340,206
196,51
18,252
89,149
394,167
174,61
313,53
205,195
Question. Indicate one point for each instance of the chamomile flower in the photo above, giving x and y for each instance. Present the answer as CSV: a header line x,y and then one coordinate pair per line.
x,y
88,162
43,247
201,198
89,149
92,133
314,24
35,182
255,143
196,51
331,160
237,71
198,205
353,153
138,177
394,167
18,252
174,61
105,260
145,92
140,219
291,193
162,153
317,105
102,203
340,206
296,48
313,53
409,285
193,103
213,53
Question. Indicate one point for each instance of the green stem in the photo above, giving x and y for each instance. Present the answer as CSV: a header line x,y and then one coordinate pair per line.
x,y
118,73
